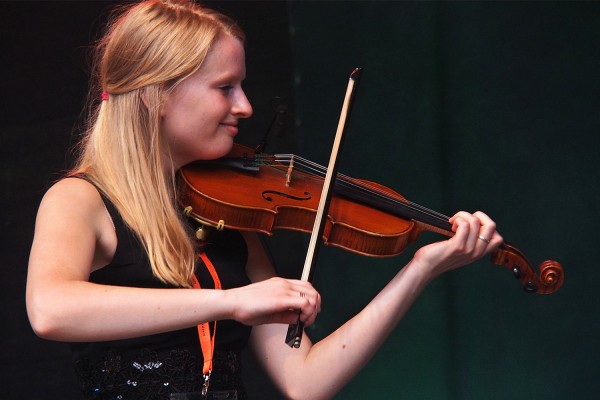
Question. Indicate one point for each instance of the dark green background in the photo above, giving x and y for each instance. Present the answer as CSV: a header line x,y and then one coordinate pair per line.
x,y
463,105
476,106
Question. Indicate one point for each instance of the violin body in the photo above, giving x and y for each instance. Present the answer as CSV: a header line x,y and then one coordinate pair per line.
x,y
266,200
363,217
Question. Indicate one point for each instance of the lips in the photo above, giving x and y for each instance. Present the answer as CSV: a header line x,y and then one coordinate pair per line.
x,y
231,127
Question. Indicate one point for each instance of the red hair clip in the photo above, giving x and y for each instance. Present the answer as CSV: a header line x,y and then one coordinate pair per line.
x,y
104,95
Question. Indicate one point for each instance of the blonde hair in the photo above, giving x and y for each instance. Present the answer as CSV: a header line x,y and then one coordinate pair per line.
x,y
148,49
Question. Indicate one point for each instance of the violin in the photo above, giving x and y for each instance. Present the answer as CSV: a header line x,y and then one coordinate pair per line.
x,y
262,193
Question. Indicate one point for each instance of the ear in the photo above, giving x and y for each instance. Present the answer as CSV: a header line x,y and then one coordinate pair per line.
x,y
151,97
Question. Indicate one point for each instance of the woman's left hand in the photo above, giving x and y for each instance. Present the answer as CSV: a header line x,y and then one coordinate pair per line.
x,y
475,235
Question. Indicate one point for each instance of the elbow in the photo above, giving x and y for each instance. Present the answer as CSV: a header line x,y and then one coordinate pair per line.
x,y
41,331
41,325
303,396
43,320
43,328
302,393
291,395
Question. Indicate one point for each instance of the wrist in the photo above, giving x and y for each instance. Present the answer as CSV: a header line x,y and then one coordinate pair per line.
x,y
212,305
225,303
419,272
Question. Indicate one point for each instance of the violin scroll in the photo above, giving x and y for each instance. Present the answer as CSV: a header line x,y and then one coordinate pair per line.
x,y
551,274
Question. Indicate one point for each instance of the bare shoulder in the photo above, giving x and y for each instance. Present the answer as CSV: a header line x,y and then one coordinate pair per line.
x,y
72,190
68,201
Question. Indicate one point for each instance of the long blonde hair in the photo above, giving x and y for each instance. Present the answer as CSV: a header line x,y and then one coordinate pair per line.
x,y
149,48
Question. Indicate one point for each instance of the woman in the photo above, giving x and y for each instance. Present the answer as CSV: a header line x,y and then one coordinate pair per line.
x,y
113,263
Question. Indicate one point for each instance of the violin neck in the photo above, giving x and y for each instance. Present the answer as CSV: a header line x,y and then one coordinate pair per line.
x,y
394,205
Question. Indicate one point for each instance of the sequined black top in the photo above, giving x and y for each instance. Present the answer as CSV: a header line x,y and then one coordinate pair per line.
x,y
153,367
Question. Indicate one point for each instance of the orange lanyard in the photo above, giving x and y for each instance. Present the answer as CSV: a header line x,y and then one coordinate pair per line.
x,y
207,343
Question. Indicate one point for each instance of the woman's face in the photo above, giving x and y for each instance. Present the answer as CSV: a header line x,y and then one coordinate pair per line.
x,y
200,117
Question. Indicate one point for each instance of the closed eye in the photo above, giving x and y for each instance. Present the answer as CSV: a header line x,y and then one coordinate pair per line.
x,y
226,88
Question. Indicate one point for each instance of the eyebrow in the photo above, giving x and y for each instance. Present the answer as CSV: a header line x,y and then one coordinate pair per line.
x,y
229,76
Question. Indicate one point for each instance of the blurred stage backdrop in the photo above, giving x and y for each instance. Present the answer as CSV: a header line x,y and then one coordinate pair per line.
x,y
463,105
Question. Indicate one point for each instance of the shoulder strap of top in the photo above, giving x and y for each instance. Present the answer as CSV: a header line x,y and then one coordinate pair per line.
x,y
110,208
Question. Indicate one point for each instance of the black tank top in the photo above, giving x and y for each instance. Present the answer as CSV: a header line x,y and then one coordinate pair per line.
x,y
152,367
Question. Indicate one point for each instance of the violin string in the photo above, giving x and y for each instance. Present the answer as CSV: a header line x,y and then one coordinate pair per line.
x,y
373,189
319,170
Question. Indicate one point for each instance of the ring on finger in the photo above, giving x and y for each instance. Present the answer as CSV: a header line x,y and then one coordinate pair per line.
x,y
484,239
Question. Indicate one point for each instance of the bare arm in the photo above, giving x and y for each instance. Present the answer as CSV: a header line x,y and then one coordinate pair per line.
x,y
74,235
319,371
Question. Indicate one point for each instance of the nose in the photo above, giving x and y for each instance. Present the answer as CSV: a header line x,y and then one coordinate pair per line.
x,y
242,107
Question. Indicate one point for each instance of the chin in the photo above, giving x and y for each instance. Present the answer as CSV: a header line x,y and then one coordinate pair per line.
x,y
218,151
223,150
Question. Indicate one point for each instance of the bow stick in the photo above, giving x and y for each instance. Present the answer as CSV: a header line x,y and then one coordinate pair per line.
x,y
294,333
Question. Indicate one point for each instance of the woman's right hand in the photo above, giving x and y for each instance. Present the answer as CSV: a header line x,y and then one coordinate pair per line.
x,y
275,300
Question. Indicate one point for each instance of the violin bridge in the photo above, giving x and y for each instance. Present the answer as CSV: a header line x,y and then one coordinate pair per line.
x,y
288,176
